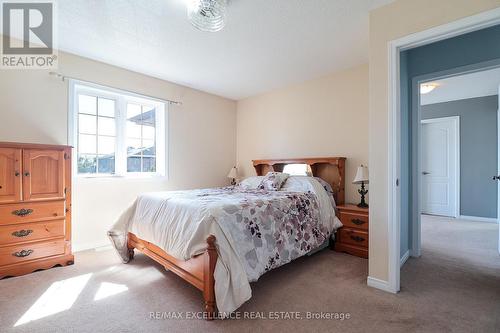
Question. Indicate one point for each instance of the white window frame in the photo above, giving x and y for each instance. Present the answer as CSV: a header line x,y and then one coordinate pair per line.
x,y
121,98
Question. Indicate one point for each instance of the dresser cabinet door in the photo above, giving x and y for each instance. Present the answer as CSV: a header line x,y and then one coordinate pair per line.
x,y
43,174
10,175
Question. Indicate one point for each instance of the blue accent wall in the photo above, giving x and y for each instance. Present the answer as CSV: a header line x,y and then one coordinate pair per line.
x,y
469,49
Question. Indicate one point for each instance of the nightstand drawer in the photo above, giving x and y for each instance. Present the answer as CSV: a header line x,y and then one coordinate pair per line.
x,y
351,220
353,237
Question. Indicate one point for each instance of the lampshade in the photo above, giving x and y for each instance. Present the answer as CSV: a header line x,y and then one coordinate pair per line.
x,y
361,175
233,173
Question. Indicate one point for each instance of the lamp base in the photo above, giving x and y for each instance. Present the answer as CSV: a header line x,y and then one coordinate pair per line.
x,y
362,205
362,192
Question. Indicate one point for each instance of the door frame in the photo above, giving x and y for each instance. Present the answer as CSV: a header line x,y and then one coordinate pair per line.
x,y
395,47
456,124
415,246
498,166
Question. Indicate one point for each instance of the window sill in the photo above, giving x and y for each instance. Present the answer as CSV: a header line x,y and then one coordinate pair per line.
x,y
156,177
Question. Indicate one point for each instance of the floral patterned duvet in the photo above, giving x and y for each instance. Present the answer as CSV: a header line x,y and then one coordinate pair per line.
x,y
256,230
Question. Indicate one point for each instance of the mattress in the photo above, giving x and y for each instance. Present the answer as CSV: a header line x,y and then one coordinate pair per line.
x,y
255,230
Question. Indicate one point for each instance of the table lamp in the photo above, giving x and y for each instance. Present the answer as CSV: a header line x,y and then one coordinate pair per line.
x,y
233,174
362,178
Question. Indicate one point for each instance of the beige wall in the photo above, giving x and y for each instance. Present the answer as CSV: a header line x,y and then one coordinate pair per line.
x,y
322,117
387,23
202,136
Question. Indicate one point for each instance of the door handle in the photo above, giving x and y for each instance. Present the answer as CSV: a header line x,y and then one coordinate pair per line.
x,y
496,177
425,173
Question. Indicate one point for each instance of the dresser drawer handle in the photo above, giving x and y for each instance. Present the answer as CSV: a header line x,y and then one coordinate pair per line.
x,y
22,254
358,221
357,238
22,212
22,233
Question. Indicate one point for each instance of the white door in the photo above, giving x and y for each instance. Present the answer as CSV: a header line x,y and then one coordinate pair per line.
x,y
440,166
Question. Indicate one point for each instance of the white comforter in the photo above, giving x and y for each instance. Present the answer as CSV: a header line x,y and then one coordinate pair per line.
x,y
255,230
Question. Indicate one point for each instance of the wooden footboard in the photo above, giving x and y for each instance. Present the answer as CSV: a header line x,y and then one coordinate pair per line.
x,y
199,270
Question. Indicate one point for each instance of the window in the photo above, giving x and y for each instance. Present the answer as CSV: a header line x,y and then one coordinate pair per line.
x,y
141,146
116,133
298,169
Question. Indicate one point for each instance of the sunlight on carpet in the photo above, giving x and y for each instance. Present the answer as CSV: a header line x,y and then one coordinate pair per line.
x,y
107,289
59,297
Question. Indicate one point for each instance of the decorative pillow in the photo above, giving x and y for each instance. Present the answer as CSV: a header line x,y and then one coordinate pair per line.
x,y
251,183
273,181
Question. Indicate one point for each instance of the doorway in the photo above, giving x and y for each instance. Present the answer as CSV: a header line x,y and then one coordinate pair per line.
x,y
444,50
459,115
441,166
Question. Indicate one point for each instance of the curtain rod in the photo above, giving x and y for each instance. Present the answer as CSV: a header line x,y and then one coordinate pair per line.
x,y
64,77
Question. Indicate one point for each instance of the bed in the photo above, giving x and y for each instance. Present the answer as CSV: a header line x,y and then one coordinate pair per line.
x,y
214,238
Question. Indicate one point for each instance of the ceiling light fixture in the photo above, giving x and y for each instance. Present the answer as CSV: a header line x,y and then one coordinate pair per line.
x,y
207,15
426,88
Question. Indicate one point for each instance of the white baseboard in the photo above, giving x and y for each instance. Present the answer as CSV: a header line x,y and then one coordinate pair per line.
x,y
89,246
404,258
414,254
379,284
478,219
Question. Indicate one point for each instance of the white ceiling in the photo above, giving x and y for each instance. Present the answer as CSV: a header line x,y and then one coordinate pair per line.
x,y
266,44
479,84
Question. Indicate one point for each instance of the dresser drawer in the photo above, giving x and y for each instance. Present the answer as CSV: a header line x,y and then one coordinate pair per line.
x,y
29,212
20,253
17,233
353,237
350,220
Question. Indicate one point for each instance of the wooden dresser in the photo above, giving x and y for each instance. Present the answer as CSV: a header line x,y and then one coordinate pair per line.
x,y
352,238
35,207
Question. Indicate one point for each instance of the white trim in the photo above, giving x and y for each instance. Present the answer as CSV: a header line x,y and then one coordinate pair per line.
x,y
121,98
76,247
498,167
394,172
379,284
456,124
413,253
404,258
478,219
416,241
459,27
416,153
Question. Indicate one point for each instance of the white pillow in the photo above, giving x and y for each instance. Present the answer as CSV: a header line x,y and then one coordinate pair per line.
x,y
308,184
251,183
298,184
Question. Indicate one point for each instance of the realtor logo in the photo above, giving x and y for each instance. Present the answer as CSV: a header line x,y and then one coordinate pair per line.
x,y
28,35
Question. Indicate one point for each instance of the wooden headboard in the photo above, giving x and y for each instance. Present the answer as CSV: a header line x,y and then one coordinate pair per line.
x,y
330,169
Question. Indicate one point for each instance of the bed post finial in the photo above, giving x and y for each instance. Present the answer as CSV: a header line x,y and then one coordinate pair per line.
x,y
211,241
209,288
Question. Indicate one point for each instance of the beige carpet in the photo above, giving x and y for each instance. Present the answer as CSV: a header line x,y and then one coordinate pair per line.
x,y
453,287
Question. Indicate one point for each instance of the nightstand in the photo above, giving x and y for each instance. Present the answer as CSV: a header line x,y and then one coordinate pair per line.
x,y
352,238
